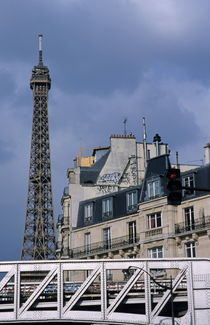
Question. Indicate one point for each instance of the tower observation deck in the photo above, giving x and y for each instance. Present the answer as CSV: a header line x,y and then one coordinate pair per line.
x,y
39,234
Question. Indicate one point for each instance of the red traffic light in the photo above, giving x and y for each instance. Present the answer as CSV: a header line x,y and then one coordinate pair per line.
x,y
173,173
172,176
174,186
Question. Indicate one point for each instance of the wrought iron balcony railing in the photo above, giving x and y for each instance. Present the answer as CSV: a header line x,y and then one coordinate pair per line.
x,y
105,246
196,225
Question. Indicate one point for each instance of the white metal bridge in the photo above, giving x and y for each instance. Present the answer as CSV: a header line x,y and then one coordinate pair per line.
x,y
125,291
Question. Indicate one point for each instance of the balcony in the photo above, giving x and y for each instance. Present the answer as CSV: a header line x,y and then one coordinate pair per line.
x,y
153,232
107,215
132,208
196,226
104,247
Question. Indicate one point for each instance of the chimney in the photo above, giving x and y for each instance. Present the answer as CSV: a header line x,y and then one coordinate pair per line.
x,y
156,141
207,154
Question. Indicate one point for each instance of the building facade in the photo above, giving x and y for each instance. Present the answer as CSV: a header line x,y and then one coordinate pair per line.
x,y
122,209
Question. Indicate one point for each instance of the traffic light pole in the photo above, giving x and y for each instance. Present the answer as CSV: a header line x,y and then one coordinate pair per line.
x,y
195,189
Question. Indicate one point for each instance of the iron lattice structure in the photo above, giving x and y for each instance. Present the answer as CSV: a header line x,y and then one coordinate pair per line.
x,y
39,235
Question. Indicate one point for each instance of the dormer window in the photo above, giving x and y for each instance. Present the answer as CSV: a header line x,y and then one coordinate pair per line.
x,y
131,199
188,181
153,188
88,212
107,207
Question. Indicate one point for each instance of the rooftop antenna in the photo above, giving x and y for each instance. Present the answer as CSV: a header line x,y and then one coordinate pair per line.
x,y
144,129
144,142
40,36
177,159
125,124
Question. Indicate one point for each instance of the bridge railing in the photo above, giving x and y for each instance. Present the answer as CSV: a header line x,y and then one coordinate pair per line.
x,y
83,291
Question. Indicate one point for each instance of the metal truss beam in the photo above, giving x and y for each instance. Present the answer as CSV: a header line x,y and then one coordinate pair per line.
x,y
54,290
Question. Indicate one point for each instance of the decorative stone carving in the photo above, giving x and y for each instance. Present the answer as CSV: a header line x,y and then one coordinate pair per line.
x,y
121,252
178,241
135,250
129,176
195,237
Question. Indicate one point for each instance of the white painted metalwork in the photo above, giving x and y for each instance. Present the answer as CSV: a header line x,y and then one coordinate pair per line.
x,y
80,291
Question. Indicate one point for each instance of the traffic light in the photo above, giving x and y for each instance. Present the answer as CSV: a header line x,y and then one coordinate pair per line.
x,y
174,186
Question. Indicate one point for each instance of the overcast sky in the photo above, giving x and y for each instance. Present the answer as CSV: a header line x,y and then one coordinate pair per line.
x,y
108,59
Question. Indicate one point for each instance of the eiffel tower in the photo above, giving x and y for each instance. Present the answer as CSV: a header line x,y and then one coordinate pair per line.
x,y
39,234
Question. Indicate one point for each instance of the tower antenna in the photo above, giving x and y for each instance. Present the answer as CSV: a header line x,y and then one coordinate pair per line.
x,y
40,37
125,124
144,142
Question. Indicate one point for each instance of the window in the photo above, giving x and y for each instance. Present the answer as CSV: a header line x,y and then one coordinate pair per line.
x,y
87,242
190,249
107,210
188,181
88,212
153,189
154,220
155,252
107,238
131,200
189,218
132,231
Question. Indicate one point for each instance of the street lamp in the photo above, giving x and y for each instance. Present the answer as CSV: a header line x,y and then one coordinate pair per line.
x,y
161,286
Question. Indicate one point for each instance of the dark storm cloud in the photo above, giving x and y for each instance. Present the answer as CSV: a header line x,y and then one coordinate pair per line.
x,y
7,84
6,154
101,46
158,101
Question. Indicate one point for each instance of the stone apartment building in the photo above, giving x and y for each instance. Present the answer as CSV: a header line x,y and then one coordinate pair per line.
x,y
116,205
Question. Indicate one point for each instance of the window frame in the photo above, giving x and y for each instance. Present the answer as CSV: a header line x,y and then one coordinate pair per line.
x,y
157,216
107,241
157,250
107,207
131,200
188,180
189,218
132,234
190,249
153,188
88,212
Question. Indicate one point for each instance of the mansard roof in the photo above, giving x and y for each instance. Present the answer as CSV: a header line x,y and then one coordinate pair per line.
x,y
89,175
156,170
119,207
201,176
